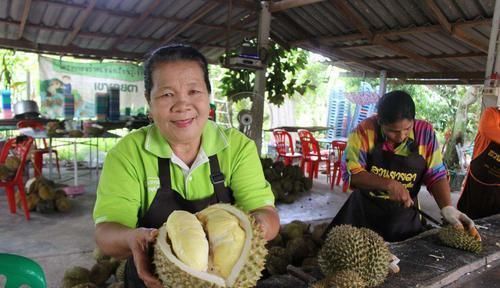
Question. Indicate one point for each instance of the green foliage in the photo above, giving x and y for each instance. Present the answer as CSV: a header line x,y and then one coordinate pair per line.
x,y
281,78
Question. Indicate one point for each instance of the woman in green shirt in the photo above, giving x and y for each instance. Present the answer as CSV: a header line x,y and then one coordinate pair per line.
x,y
181,162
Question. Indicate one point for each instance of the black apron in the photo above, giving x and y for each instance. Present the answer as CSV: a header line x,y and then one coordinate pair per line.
x,y
168,200
481,195
368,209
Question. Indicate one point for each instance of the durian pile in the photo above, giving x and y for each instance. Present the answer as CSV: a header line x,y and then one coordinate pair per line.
x,y
296,244
353,257
220,246
106,272
44,196
287,182
9,168
459,238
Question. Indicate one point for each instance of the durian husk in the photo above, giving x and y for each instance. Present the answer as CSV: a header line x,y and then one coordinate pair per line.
x,y
357,249
459,238
12,162
247,270
120,271
341,279
100,272
75,276
46,193
63,204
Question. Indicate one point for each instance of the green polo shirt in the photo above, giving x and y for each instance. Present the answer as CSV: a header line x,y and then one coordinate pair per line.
x,y
129,179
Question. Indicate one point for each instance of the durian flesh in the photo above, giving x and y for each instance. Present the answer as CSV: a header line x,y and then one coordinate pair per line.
x,y
188,239
226,238
234,255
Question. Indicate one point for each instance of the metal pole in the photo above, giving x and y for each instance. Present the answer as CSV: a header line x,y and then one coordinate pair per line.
x,y
492,55
260,75
383,82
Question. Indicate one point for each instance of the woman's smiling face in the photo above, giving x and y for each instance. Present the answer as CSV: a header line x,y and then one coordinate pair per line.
x,y
179,102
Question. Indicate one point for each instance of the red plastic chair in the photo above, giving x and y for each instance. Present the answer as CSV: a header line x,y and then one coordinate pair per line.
x,y
338,148
284,147
39,152
312,156
20,147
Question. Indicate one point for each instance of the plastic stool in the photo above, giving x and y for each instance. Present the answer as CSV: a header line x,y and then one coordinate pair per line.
x,y
18,271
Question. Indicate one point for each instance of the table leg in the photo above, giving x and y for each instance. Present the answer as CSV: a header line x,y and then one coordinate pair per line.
x,y
50,159
75,165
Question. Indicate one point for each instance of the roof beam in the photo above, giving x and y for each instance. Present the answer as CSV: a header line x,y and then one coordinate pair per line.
x,y
395,32
405,52
136,23
202,11
221,35
24,18
354,17
419,75
70,50
360,24
454,31
341,55
288,4
443,21
438,81
79,22
129,15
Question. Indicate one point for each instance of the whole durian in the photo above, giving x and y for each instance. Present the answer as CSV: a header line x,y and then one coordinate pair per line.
x,y
75,276
12,162
220,246
459,238
294,229
357,249
277,260
101,271
341,279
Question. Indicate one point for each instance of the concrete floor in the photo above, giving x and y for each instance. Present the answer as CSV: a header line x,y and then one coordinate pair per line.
x,y
59,241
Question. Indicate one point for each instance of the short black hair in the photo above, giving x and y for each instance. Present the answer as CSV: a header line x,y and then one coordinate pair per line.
x,y
172,53
394,106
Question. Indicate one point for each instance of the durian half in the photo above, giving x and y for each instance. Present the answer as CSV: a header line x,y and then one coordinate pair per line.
x,y
220,246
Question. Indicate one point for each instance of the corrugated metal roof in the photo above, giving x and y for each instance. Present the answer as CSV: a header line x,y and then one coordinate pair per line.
x,y
435,38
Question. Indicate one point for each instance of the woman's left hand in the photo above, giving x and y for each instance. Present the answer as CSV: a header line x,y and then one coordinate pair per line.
x,y
268,220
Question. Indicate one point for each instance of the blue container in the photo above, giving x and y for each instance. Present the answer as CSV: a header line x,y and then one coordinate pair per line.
x,y
101,106
69,102
114,104
6,104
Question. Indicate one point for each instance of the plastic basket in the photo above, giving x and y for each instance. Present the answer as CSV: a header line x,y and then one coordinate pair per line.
x,y
73,191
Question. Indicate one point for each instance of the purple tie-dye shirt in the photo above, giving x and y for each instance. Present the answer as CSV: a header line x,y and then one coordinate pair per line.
x,y
362,141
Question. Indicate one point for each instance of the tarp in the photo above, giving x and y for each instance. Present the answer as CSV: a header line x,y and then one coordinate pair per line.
x,y
78,83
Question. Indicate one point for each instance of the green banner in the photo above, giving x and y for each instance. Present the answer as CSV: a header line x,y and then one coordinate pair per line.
x,y
119,71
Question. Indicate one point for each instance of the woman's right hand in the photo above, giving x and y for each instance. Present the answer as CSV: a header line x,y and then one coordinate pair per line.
x,y
139,241
399,193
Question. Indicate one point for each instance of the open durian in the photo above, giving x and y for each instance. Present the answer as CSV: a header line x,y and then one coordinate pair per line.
x,y
220,246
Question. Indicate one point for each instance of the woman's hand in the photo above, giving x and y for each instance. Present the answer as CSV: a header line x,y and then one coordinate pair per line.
x,y
399,193
268,220
139,241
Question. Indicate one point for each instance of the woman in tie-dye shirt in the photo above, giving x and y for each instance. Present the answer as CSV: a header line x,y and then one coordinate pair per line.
x,y
388,157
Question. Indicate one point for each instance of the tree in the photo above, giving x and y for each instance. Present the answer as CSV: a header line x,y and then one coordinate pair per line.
x,y
281,81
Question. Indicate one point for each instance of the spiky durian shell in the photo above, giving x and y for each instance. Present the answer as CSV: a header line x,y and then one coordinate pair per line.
x,y
173,276
358,249
341,279
460,239
277,260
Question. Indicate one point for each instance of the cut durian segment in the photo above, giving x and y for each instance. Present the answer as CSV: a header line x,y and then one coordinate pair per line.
x,y
188,239
244,272
226,239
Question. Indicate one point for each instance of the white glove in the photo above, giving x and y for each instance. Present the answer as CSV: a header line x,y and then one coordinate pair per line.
x,y
458,220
